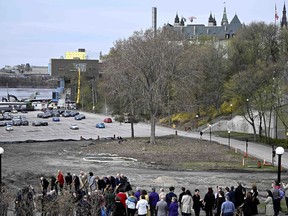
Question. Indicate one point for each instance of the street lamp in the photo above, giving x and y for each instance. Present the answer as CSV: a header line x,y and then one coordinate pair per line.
x,y
229,139
210,132
279,151
231,105
197,116
1,152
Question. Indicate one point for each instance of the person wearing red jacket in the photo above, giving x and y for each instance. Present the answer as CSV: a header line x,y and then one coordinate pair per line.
x,y
60,180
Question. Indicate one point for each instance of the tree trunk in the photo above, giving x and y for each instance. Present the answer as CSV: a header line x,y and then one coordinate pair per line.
x,y
153,129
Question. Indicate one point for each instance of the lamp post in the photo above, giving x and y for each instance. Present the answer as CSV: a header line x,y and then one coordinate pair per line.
x,y
229,139
279,151
210,131
246,147
1,152
197,116
231,109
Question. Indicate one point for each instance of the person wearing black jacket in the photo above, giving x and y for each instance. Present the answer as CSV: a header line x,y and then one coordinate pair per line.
x,y
209,201
197,202
170,195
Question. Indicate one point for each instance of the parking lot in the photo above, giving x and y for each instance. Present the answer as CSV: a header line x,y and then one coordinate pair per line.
x,y
87,129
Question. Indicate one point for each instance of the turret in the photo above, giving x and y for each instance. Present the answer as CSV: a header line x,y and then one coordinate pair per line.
x,y
224,21
284,17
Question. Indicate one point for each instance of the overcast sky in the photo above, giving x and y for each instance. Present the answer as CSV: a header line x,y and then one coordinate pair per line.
x,y
34,31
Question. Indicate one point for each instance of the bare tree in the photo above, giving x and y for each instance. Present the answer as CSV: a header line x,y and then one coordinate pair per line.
x,y
141,68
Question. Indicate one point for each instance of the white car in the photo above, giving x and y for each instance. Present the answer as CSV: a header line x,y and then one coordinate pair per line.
x,y
74,127
9,128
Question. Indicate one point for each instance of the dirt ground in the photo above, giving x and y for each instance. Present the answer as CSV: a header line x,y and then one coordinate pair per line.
x,y
176,161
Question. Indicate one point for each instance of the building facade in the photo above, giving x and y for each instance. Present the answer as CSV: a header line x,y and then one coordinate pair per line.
x,y
193,31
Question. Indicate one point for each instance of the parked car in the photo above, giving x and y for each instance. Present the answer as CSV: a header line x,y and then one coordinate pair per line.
x,y
66,114
74,127
40,115
44,123
2,124
14,111
107,120
56,119
79,117
47,115
100,125
17,122
36,123
9,128
25,122
74,113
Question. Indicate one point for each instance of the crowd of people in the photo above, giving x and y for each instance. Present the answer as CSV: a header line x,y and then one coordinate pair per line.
x,y
113,196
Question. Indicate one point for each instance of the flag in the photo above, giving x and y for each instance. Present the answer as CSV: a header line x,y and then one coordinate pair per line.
x,y
276,14
192,18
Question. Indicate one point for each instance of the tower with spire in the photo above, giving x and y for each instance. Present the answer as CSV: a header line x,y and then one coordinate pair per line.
x,y
284,17
224,21
176,20
211,20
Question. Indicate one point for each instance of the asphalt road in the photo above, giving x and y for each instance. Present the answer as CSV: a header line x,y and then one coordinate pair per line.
x,y
88,130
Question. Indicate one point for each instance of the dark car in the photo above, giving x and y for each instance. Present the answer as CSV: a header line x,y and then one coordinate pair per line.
x,y
80,117
44,123
56,119
25,122
74,113
2,124
40,115
47,115
100,125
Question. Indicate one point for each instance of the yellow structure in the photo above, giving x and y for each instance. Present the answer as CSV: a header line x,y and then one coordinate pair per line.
x,y
75,55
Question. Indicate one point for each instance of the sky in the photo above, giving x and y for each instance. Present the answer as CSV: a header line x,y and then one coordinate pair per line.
x,y
34,31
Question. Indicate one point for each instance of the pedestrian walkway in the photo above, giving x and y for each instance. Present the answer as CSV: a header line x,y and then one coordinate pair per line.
x,y
260,151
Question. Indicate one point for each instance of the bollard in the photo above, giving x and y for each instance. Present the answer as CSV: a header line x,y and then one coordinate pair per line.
x,y
176,133
114,136
243,162
98,137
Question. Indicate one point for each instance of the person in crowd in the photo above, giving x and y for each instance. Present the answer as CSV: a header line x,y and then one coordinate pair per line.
x,y
255,200
162,207
109,200
153,199
247,205
118,209
227,207
138,193
83,181
60,180
183,189
197,202
123,196
187,203
170,195
110,182
53,184
68,181
173,207
101,183
269,211
231,195
44,185
131,204
92,182
83,206
285,187
209,201
219,201
142,206
240,193
76,182
276,197
162,193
